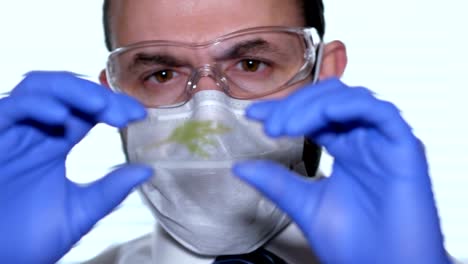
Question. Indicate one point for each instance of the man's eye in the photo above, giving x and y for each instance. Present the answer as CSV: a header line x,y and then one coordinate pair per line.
x,y
251,65
163,76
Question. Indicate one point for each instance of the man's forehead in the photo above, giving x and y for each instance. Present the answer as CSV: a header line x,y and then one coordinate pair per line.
x,y
196,20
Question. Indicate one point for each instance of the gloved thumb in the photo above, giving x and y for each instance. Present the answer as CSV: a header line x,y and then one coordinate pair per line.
x,y
95,201
295,195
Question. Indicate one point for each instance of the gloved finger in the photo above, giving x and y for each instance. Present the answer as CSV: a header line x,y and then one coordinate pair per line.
x,y
301,115
34,107
382,115
344,107
296,196
80,94
121,110
261,110
357,110
93,202
303,97
295,107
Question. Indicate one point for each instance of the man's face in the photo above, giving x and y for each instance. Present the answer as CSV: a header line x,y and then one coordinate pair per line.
x,y
203,20
196,20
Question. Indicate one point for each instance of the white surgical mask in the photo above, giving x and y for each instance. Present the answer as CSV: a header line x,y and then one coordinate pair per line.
x,y
193,194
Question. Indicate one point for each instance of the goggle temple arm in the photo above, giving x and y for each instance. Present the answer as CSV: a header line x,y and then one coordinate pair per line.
x,y
318,62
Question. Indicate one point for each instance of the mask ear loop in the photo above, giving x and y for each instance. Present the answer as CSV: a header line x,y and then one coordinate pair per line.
x,y
312,152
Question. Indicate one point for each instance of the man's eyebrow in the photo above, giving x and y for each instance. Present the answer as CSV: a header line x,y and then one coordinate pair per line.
x,y
143,59
247,47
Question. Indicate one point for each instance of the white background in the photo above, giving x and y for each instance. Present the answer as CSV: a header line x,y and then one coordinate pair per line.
x,y
411,52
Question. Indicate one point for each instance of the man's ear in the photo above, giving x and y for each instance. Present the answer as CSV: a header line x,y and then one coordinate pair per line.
x,y
103,78
334,60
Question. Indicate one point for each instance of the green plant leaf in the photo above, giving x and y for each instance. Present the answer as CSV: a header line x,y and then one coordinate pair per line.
x,y
194,135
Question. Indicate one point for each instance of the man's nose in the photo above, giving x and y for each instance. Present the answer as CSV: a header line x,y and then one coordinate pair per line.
x,y
207,83
207,78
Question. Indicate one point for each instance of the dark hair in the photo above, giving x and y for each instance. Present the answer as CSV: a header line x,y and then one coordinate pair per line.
x,y
313,13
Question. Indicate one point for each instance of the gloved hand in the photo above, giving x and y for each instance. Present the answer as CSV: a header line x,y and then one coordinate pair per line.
x,y
377,206
43,214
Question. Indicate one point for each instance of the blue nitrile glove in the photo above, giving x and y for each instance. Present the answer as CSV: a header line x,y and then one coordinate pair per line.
x,y
42,213
377,206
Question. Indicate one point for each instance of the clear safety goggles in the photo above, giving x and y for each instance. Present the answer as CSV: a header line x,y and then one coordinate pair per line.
x,y
246,64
